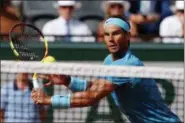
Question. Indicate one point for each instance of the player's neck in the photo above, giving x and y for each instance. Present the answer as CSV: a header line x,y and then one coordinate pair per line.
x,y
118,55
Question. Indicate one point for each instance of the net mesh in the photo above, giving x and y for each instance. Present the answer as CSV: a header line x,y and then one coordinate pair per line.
x,y
170,82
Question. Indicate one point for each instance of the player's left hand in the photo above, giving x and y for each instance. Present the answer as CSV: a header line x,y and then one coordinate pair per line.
x,y
40,97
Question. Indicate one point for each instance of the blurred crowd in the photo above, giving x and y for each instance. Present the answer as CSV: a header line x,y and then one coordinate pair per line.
x,y
155,20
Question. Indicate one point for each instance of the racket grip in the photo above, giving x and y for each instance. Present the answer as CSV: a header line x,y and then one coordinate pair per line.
x,y
37,84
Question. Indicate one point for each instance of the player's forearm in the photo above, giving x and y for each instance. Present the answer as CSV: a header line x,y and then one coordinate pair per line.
x,y
99,89
78,99
83,99
77,84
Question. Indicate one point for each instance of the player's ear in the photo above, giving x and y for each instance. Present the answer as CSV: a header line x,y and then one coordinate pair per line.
x,y
128,38
129,35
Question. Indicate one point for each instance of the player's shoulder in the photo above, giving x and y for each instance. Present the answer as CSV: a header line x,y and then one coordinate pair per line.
x,y
134,60
107,60
129,60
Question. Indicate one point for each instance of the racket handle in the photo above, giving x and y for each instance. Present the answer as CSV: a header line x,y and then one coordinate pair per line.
x,y
37,84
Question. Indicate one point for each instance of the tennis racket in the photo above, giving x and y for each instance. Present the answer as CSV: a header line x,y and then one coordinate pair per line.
x,y
23,41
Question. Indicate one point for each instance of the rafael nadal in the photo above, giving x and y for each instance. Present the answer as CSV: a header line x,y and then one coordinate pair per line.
x,y
139,99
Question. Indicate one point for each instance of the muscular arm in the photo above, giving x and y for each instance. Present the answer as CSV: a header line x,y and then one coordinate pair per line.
x,y
96,91
72,83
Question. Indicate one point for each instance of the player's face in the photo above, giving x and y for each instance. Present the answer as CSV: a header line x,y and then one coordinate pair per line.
x,y
116,10
115,38
66,11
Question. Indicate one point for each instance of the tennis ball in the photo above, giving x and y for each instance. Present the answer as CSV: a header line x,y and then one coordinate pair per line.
x,y
48,59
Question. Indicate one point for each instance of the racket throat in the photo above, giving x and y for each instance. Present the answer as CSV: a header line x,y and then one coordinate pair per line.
x,y
35,76
37,84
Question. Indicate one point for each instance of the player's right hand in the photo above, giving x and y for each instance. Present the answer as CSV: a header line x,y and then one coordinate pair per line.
x,y
56,80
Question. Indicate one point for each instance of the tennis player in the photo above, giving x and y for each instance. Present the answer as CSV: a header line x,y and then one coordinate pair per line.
x,y
139,99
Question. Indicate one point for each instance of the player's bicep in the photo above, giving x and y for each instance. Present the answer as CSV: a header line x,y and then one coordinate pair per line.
x,y
101,88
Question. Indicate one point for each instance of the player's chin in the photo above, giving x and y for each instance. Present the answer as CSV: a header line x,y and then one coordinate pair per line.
x,y
113,51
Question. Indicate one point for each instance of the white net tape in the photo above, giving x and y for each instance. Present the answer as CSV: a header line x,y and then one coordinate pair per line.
x,y
92,70
88,71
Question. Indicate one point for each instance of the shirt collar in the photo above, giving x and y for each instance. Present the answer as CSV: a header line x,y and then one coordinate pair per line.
x,y
125,56
63,20
16,88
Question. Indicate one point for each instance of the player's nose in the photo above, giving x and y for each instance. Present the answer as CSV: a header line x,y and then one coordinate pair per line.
x,y
111,39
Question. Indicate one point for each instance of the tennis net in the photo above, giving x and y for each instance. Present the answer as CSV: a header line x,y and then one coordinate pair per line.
x,y
169,80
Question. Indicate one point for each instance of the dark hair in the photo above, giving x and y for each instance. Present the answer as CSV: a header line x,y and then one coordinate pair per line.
x,y
124,19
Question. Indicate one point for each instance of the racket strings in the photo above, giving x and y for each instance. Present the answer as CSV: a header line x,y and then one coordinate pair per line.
x,y
26,33
24,52
23,40
33,35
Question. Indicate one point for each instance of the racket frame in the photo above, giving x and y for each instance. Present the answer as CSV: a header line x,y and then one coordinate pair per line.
x,y
35,76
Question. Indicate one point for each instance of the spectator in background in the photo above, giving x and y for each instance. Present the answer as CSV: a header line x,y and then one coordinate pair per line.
x,y
174,25
65,25
16,104
9,17
112,9
147,15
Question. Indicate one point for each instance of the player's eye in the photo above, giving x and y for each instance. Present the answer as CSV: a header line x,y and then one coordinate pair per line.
x,y
106,34
116,33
